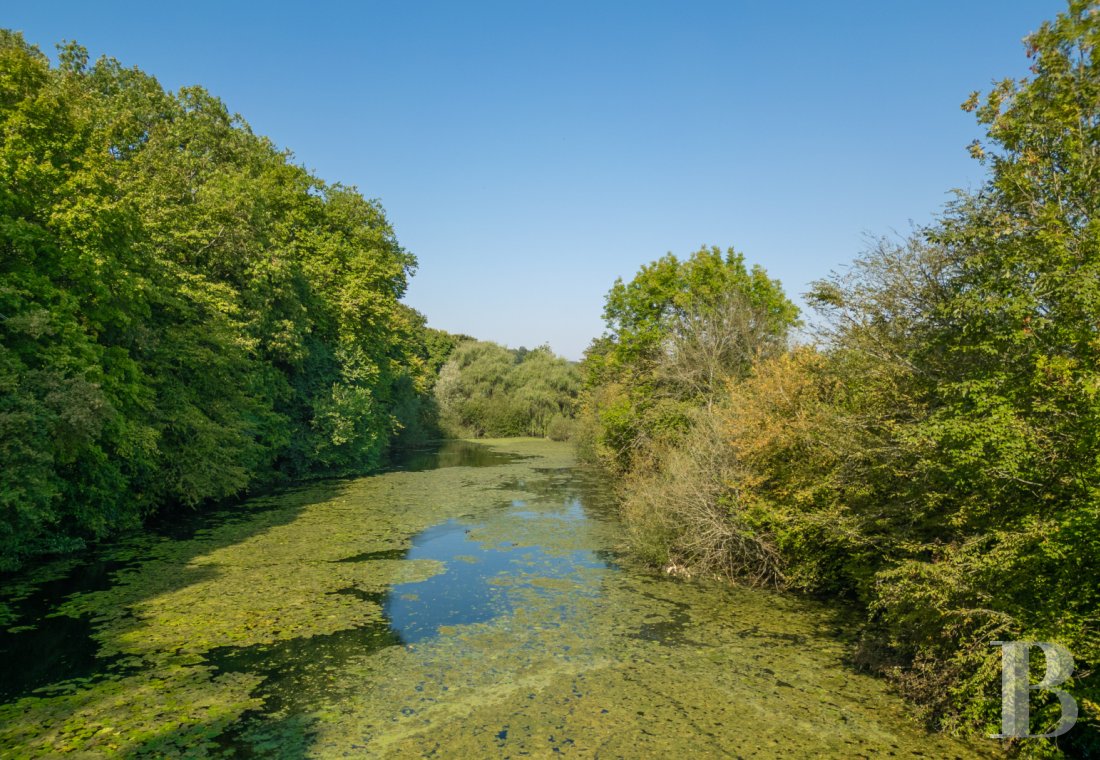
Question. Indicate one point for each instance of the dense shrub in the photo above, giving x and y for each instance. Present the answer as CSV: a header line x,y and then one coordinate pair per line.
x,y
936,456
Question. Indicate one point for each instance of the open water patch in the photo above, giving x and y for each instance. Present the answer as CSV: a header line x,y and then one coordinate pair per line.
x,y
479,582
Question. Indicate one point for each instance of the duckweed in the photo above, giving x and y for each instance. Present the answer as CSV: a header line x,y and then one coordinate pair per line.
x,y
473,605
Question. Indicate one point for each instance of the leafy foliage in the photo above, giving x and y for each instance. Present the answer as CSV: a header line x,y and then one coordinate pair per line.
x,y
485,389
676,333
184,313
935,457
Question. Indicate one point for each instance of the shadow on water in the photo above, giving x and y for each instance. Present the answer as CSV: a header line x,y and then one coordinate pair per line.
x,y
43,651
449,453
670,628
296,676
40,650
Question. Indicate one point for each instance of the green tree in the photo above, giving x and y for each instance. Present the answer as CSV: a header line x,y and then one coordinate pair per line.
x,y
987,333
1009,450
184,312
675,333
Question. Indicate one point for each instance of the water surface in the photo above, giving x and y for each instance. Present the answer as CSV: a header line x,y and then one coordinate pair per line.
x,y
470,603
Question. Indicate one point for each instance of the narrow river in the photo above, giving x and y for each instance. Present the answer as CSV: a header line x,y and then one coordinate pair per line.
x,y
469,604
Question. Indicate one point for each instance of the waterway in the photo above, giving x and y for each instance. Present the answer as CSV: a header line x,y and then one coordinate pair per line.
x,y
471,602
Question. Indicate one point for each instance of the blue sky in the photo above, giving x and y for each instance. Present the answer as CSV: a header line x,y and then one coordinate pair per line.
x,y
531,152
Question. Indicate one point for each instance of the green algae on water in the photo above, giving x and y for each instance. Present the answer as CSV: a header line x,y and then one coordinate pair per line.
x,y
467,607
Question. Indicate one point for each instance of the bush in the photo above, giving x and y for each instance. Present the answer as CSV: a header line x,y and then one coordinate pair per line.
x,y
680,511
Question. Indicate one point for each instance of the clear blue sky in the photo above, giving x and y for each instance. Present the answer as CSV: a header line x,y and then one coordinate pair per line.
x,y
531,152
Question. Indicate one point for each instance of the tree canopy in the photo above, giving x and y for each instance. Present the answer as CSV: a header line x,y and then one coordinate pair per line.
x,y
675,333
184,312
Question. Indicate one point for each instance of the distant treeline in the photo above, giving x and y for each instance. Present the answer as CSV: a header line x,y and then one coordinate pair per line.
x,y
184,312
934,455
487,390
